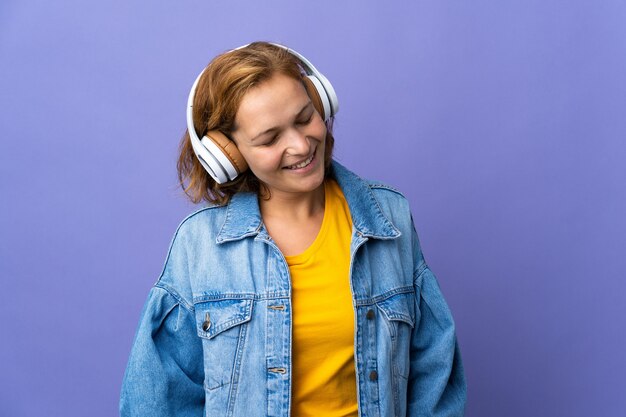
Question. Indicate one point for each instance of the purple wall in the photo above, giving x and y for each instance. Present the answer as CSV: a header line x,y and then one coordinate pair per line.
x,y
503,122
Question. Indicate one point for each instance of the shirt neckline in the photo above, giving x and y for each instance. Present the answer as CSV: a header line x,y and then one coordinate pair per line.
x,y
304,256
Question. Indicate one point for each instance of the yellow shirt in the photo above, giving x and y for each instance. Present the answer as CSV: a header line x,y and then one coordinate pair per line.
x,y
323,378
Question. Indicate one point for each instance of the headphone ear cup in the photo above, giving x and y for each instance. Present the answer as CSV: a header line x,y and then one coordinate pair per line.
x,y
208,161
229,149
316,95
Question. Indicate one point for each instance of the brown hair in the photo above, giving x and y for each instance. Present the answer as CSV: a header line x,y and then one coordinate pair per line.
x,y
220,90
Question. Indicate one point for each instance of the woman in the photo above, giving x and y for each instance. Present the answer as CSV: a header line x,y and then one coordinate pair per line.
x,y
301,290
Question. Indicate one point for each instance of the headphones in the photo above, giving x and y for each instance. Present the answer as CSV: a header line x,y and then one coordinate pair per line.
x,y
219,155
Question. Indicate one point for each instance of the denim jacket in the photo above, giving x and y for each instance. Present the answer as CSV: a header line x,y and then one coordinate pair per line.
x,y
214,338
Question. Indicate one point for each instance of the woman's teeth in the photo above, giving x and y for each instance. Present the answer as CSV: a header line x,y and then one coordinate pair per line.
x,y
302,164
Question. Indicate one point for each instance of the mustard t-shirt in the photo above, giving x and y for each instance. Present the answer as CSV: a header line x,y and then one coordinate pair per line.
x,y
323,378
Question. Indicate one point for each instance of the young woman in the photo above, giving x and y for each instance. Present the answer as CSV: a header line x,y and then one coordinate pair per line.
x,y
301,289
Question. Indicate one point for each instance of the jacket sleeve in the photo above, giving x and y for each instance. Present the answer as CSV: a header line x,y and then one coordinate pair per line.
x,y
436,385
164,375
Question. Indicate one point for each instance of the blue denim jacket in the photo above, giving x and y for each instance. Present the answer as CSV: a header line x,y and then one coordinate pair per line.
x,y
214,337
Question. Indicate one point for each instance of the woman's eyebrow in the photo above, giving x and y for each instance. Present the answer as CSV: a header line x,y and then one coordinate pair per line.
x,y
272,129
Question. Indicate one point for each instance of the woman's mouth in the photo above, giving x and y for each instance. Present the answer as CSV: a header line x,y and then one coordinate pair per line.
x,y
302,164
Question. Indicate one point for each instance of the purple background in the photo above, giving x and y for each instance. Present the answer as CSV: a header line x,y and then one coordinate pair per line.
x,y
503,122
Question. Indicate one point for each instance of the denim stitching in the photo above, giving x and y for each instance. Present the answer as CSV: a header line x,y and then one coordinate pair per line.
x,y
386,295
175,295
243,332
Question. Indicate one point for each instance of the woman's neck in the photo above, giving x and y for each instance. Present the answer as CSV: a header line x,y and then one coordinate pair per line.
x,y
293,220
292,207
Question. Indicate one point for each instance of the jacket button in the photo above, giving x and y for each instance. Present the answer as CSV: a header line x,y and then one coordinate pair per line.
x,y
370,314
373,376
207,322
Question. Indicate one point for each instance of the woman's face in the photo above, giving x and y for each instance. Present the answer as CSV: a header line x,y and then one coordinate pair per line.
x,y
281,136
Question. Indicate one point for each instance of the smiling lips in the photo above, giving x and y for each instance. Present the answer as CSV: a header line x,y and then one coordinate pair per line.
x,y
303,163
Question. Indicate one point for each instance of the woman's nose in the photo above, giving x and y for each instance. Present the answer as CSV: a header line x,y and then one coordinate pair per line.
x,y
298,143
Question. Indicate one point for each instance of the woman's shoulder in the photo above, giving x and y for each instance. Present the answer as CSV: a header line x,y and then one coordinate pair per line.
x,y
201,217
201,214
239,217
200,225
192,239
392,202
382,192
374,202
385,190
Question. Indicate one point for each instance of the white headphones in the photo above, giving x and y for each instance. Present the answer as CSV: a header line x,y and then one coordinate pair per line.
x,y
219,155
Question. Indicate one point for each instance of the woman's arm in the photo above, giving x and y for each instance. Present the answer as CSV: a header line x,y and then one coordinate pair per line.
x,y
165,375
436,385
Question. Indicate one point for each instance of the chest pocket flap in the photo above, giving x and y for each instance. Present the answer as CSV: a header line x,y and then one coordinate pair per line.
x,y
399,307
215,317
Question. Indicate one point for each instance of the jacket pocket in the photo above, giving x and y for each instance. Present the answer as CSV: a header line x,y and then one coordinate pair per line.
x,y
223,326
215,317
399,308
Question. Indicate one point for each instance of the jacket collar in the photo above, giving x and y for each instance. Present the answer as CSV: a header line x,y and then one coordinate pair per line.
x,y
243,216
367,217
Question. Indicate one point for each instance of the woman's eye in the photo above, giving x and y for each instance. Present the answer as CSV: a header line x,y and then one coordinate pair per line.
x,y
306,121
271,141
